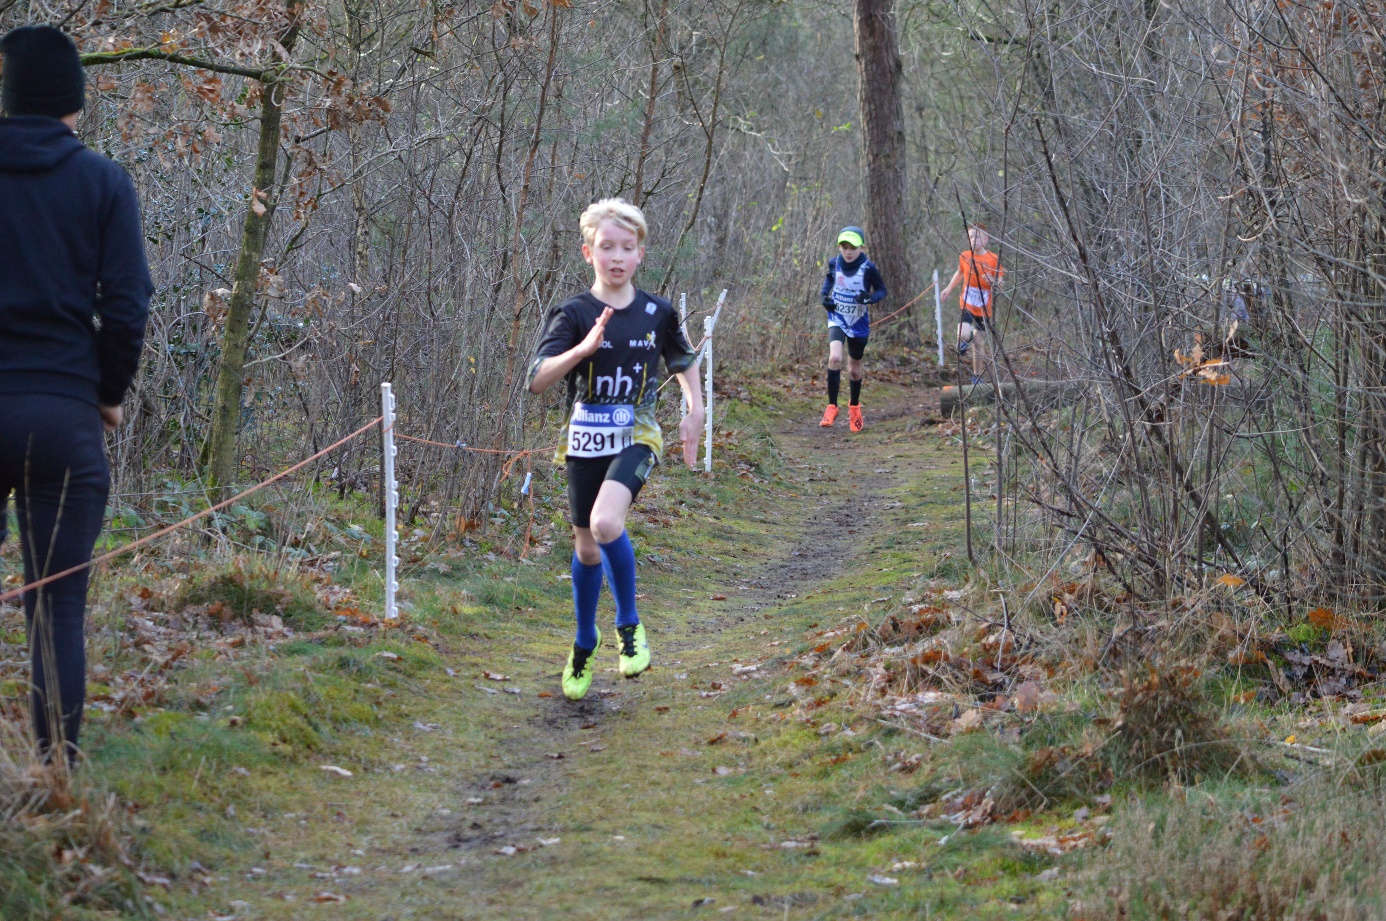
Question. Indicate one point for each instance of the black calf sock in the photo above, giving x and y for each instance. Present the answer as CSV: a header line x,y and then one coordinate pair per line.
x,y
834,383
856,392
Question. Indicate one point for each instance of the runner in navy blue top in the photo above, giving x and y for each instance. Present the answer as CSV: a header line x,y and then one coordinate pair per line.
x,y
852,284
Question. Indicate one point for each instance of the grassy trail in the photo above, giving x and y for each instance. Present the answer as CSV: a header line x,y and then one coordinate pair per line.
x,y
689,792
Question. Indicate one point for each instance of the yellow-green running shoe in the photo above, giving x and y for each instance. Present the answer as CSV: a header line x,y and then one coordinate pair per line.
x,y
635,650
577,674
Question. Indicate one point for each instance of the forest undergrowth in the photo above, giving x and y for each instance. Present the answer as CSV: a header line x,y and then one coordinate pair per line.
x,y
847,717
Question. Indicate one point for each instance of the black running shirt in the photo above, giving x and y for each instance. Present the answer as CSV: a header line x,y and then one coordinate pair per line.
x,y
611,394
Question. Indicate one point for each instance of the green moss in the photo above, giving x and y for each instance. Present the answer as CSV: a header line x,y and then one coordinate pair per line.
x,y
166,723
1305,634
282,718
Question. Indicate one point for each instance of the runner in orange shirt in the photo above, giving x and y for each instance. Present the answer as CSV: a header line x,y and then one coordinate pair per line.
x,y
980,273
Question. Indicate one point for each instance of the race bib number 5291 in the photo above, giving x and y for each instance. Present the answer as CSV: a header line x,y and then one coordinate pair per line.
x,y
600,429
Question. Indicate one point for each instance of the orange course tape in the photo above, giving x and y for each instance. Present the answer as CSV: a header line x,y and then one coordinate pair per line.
x,y
879,322
119,551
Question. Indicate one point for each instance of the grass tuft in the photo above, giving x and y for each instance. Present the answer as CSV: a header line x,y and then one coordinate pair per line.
x,y
1166,728
1319,856
63,850
247,588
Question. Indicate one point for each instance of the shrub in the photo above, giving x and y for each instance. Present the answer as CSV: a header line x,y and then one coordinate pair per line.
x,y
1165,727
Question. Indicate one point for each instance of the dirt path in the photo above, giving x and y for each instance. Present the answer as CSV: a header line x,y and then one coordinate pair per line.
x,y
687,784
814,544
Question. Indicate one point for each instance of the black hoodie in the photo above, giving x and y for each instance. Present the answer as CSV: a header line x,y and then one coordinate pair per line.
x,y
71,251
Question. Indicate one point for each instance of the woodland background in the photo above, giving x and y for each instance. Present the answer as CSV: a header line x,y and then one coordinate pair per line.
x,y
340,193
1182,522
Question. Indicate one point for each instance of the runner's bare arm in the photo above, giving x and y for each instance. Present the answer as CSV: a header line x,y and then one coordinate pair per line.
x,y
554,369
691,428
957,277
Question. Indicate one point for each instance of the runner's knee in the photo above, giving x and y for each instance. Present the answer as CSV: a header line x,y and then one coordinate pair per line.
x,y
606,527
585,546
834,362
854,369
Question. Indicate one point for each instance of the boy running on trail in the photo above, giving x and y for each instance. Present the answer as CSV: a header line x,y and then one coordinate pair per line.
x,y
607,343
853,282
980,272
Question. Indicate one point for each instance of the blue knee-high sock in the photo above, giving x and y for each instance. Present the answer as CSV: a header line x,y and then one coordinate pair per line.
x,y
587,588
618,559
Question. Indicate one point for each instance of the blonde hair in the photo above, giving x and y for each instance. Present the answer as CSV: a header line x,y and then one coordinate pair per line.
x,y
617,210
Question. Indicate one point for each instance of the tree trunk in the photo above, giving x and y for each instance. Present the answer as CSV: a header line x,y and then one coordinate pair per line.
x,y
518,263
877,49
651,98
220,455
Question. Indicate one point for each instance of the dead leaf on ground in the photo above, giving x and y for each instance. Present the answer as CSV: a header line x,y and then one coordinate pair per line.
x,y
1325,619
1027,697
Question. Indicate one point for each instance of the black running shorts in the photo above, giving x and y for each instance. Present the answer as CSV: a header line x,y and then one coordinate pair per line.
x,y
978,323
856,348
631,468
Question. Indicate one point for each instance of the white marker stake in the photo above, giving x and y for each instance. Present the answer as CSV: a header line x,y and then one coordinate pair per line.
x,y
708,324
683,325
717,314
387,409
938,318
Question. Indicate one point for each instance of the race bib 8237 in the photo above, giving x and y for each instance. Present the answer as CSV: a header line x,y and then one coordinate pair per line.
x,y
600,429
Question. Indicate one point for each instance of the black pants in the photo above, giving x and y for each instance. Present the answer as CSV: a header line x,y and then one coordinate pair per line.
x,y
53,459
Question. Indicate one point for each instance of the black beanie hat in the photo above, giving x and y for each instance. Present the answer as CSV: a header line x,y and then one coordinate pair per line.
x,y
43,73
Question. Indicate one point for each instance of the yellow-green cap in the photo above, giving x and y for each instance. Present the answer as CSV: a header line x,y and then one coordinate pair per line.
x,y
852,235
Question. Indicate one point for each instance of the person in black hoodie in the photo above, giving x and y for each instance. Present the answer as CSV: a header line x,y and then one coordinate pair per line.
x,y
74,299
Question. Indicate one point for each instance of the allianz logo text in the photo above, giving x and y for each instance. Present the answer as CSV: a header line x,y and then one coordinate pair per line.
x,y
585,414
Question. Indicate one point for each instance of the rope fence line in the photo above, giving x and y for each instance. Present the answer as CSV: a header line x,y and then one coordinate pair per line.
x,y
162,532
386,422
459,446
875,323
912,302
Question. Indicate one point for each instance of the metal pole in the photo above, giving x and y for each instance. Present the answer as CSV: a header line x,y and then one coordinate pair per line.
x,y
387,410
708,324
938,318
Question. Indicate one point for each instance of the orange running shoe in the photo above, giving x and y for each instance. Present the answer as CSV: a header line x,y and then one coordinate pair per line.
x,y
855,421
829,416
